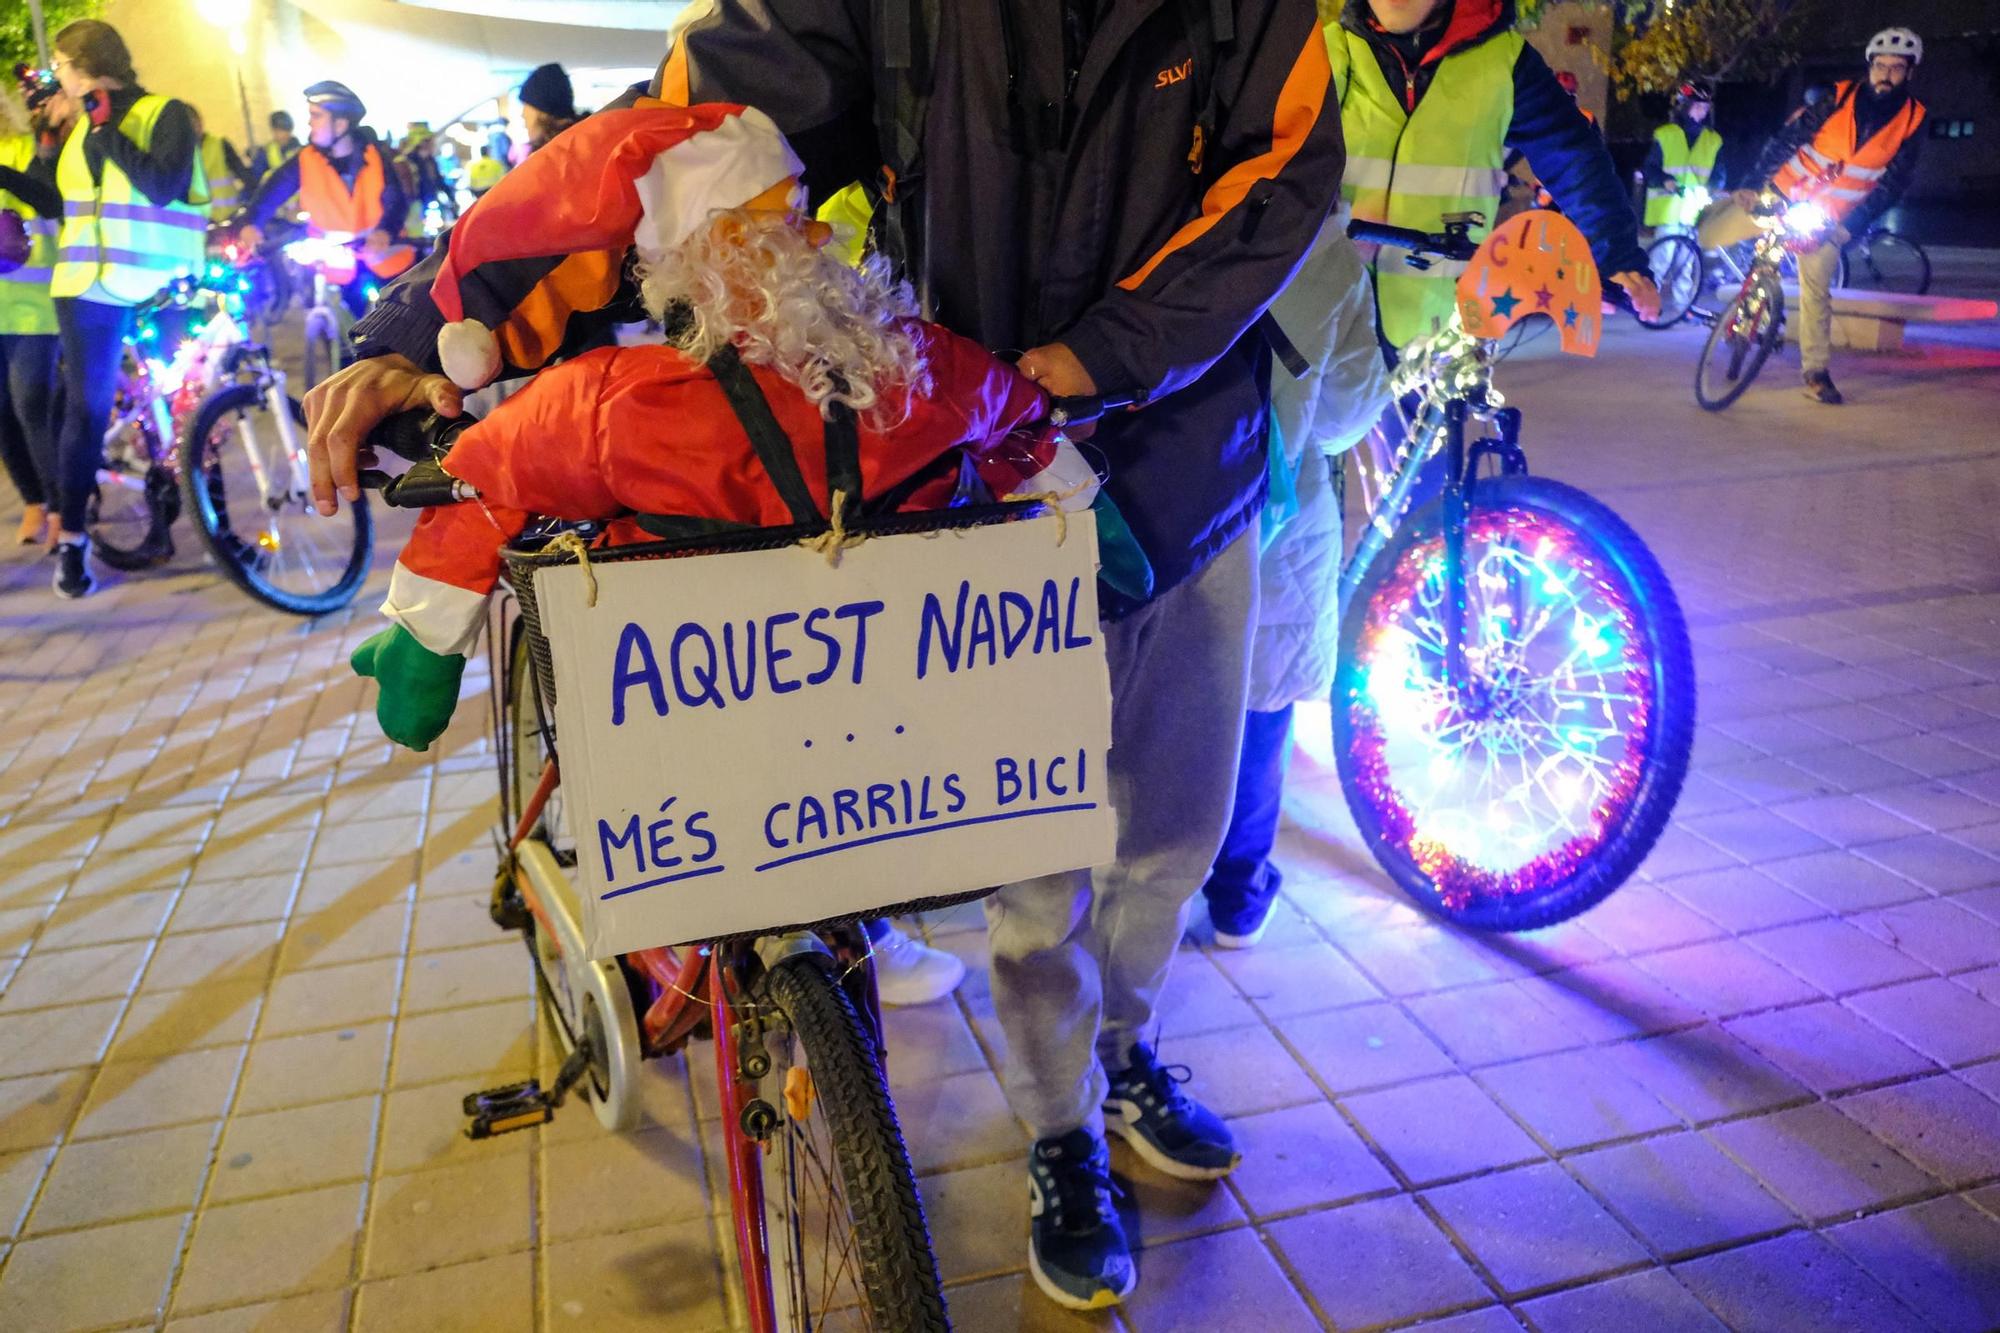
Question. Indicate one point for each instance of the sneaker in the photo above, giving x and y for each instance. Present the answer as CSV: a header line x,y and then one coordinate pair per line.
x,y
910,972
1819,388
1077,1250
1172,1133
1241,930
73,578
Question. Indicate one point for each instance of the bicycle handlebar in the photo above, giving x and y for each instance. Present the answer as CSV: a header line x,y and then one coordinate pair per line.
x,y
1454,245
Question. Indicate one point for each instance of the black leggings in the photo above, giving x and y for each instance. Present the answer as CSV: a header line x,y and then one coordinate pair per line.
x,y
27,434
93,340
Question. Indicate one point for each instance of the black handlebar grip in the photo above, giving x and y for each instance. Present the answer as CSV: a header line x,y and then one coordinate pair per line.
x,y
1381,233
424,486
407,435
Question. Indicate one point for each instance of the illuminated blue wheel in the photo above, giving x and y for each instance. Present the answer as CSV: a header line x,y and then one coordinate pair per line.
x,y
1527,788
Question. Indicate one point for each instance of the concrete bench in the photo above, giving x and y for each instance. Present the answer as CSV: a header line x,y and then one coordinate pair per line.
x,y
1874,321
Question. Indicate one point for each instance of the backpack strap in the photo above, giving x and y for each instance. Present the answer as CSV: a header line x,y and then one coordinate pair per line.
x,y
767,437
843,457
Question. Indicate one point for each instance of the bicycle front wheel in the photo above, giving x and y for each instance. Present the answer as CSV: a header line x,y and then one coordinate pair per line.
x,y
846,1237
1677,272
1887,262
1745,334
322,348
250,500
1525,785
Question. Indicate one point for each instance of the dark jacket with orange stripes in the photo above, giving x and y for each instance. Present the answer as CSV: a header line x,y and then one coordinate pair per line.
x,y
1085,225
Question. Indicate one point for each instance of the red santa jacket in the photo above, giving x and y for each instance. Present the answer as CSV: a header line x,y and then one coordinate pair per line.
x,y
647,430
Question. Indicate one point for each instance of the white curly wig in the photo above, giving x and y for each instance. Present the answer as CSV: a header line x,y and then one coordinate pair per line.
x,y
756,280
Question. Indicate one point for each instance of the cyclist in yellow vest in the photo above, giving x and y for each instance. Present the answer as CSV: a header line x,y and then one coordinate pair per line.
x,y
135,206
223,166
485,173
282,145
28,343
1682,160
1432,95
1853,154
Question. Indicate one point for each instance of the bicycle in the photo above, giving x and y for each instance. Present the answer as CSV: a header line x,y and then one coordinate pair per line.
x,y
1514,696
245,482
828,1223
1749,329
169,362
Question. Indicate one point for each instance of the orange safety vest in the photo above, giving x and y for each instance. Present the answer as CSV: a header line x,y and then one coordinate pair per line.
x,y
330,206
327,202
1850,171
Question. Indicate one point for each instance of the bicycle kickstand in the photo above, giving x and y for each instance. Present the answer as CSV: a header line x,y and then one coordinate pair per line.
x,y
523,1105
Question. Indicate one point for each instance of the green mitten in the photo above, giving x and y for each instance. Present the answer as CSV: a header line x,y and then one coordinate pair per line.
x,y
419,687
1121,564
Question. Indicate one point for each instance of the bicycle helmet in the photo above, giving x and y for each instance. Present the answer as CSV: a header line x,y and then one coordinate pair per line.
x,y
337,99
1897,42
1692,92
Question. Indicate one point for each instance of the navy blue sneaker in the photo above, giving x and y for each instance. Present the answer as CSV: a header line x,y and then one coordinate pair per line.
x,y
1171,1132
1077,1250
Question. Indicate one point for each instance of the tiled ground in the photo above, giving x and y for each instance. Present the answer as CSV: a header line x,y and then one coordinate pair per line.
x,y
247,975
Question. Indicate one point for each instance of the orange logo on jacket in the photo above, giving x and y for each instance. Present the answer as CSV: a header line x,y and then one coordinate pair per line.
x,y
1167,78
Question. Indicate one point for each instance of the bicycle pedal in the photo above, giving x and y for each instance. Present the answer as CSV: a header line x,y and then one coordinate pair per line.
x,y
503,1110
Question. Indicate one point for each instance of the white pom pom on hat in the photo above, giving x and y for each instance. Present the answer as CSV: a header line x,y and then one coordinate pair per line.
x,y
468,353
604,183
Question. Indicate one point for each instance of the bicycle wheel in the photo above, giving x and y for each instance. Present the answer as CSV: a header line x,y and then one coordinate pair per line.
x,y
133,512
251,505
848,1245
1677,271
528,753
1887,262
1745,334
1531,787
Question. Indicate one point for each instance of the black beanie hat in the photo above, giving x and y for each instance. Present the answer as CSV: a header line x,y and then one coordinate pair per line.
x,y
548,91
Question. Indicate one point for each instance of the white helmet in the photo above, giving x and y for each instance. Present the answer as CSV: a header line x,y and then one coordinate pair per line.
x,y
1897,42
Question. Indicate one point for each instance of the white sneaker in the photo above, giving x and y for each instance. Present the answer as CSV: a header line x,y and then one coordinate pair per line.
x,y
910,972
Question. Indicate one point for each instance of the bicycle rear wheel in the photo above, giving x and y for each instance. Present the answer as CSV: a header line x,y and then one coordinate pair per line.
x,y
1677,271
136,503
1887,262
1527,787
1745,334
250,504
848,1245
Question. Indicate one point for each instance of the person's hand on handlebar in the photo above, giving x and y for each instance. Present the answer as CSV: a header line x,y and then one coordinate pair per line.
x,y
1747,200
341,410
250,236
1056,369
1644,295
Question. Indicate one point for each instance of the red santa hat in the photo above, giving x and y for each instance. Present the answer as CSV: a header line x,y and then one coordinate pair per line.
x,y
645,177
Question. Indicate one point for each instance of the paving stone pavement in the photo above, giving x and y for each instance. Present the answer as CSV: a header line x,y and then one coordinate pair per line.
x,y
247,973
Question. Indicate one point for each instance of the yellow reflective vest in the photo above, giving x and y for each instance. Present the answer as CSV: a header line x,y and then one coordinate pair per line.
x,y
1686,164
116,245
25,306
225,192
1409,169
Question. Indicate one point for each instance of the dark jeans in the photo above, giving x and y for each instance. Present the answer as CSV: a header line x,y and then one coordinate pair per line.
x,y
1243,883
93,340
27,434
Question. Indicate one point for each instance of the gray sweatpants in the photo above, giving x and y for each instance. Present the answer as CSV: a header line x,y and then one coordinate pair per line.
x,y
1726,224
1079,959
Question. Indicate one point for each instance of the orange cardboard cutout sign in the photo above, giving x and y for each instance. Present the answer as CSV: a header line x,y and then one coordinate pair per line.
x,y
1536,263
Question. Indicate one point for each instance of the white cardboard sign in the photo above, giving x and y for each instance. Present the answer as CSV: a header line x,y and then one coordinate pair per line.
x,y
757,739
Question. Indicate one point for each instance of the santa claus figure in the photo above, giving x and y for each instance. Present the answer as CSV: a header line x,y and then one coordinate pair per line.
x,y
793,385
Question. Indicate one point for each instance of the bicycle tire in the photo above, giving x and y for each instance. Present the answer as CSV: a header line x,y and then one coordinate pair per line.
x,y
202,492
1615,552
1893,263
890,1239
140,539
1676,265
1747,350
